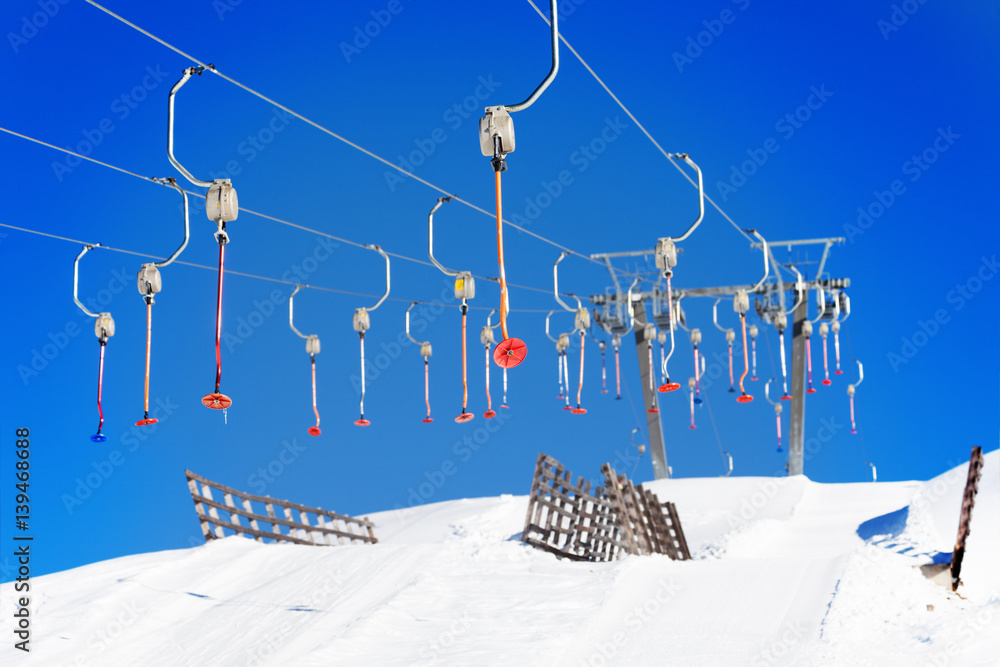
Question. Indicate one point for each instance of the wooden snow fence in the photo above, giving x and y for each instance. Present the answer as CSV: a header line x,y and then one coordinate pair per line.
x,y
965,519
566,519
569,520
323,529
647,526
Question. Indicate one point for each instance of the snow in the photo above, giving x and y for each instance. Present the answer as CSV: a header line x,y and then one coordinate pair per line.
x,y
785,572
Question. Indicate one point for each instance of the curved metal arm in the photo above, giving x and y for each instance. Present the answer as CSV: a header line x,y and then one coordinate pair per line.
x,y
701,197
379,250
799,294
729,464
821,304
76,280
554,23
861,373
767,266
766,394
628,307
715,315
170,128
846,311
489,319
554,340
291,323
415,341
430,237
555,281
187,227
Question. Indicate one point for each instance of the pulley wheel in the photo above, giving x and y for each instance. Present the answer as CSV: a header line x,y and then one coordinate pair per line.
x,y
216,401
510,352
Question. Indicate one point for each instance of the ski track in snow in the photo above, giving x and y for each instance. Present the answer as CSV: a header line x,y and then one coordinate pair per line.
x,y
785,572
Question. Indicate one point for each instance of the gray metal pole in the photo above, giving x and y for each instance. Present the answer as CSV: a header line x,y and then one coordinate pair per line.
x,y
798,411
657,450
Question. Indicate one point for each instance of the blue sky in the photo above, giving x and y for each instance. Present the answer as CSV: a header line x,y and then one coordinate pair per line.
x,y
874,121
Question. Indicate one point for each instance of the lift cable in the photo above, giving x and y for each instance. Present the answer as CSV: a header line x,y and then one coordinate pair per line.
x,y
211,68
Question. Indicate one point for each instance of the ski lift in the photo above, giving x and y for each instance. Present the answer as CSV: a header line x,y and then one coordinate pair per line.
x,y
666,260
221,206
781,323
104,328
562,344
617,331
312,349
362,323
777,410
491,327
851,388
465,289
741,304
150,283
488,341
807,330
425,352
835,328
753,351
496,140
692,383
695,340
602,346
581,324
730,337
824,330
649,335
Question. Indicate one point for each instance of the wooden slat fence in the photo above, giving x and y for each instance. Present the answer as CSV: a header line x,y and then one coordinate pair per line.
x,y
567,519
647,526
315,526
965,520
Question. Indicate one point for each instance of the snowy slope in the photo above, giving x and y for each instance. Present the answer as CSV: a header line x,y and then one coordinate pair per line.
x,y
786,571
